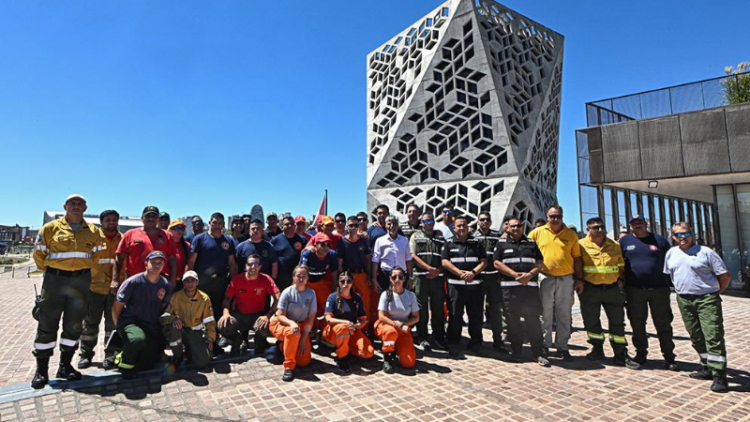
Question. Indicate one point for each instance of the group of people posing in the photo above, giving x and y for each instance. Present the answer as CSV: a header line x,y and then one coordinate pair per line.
x,y
344,283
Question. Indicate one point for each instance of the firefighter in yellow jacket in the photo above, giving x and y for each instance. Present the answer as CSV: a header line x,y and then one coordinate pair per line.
x,y
603,266
101,297
188,322
66,250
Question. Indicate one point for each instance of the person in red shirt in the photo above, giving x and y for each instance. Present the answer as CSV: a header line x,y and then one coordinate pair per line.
x,y
182,249
300,224
328,228
136,244
250,291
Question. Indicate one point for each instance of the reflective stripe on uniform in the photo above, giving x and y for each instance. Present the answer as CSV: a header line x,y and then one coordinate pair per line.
x,y
208,319
165,314
40,248
703,355
463,283
595,336
602,270
63,255
85,338
716,358
106,261
508,251
425,273
515,283
97,249
45,346
68,342
618,339
489,272
465,259
175,343
317,273
428,253
123,365
198,327
389,343
518,260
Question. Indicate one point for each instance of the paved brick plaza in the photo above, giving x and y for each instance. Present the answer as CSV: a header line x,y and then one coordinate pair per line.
x,y
477,388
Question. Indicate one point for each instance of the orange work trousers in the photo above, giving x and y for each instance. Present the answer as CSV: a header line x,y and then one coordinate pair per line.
x,y
347,343
322,289
290,344
399,341
369,296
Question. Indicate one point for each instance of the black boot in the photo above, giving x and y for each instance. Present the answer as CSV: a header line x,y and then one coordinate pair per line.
x,y
597,352
388,360
720,383
703,374
41,377
65,370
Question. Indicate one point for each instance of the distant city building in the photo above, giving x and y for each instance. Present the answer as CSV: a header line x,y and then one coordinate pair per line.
x,y
464,108
15,234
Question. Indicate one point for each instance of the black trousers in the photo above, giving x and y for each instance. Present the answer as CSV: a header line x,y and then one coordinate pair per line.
x,y
523,302
470,298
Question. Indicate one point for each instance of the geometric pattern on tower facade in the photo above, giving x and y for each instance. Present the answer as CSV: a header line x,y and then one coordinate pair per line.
x,y
464,108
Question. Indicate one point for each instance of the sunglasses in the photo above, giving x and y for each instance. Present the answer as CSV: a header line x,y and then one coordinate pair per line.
x,y
428,221
515,226
554,216
398,277
178,228
681,235
324,244
346,281
361,218
597,227
447,211
485,219
353,226
253,264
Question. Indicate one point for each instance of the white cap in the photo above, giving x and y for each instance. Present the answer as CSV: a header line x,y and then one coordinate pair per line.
x,y
73,196
190,274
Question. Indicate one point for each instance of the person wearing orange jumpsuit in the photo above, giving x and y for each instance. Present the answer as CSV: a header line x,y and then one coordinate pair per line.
x,y
398,311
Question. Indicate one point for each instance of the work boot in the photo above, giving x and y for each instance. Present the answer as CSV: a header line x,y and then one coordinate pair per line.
x,y
388,363
288,375
41,376
596,353
542,361
236,347
720,384
622,359
702,374
425,346
65,370
108,363
441,342
342,363
640,358
84,362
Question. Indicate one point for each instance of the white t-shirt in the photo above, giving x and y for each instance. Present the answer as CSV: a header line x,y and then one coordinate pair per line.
x,y
401,307
391,252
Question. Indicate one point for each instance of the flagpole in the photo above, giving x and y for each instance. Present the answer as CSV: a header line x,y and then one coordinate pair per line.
x,y
326,201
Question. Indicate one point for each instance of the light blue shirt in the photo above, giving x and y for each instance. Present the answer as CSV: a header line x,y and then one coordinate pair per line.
x,y
694,270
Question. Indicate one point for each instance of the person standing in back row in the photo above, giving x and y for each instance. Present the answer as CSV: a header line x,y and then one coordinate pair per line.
x,y
562,268
490,280
648,288
66,249
699,277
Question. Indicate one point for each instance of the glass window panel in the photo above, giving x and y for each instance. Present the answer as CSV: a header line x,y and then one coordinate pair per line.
x,y
668,217
622,214
629,106
608,214
658,226
584,172
730,244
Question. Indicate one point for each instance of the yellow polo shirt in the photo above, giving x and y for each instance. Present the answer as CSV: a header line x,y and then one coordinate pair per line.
x,y
601,265
559,249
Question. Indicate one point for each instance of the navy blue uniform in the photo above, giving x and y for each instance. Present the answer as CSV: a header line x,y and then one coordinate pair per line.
x,y
263,248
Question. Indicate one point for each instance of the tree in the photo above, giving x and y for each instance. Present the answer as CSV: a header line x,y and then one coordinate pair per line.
x,y
737,85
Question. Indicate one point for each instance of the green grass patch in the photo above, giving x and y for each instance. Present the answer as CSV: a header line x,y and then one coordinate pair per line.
x,y
11,261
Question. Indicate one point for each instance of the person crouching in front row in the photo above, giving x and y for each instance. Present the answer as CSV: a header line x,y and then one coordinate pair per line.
x,y
398,311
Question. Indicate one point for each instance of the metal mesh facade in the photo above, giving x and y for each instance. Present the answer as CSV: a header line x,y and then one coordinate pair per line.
x,y
464,108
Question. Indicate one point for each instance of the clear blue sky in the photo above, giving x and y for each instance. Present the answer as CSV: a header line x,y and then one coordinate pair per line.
x,y
198,106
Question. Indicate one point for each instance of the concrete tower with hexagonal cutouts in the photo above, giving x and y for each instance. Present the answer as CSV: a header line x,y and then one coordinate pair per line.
x,y
463,107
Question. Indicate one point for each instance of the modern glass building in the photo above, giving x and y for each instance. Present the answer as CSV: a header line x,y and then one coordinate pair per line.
x,y
674,154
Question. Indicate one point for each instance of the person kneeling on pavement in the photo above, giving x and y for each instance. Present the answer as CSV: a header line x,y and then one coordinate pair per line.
x,y
346,317
293,321
398,311
188,323
140,301
250,291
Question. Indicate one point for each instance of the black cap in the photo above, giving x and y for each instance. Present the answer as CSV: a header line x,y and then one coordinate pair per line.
x,y
636,217
150,210
164,215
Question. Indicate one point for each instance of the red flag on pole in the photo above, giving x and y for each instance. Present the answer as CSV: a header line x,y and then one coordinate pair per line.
x,y
321,210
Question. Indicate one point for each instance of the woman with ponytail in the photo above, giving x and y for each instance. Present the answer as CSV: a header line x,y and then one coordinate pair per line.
x,y
398,311
346,318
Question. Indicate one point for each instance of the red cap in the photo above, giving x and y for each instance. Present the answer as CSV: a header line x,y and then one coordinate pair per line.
x,y
320,238
299,218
